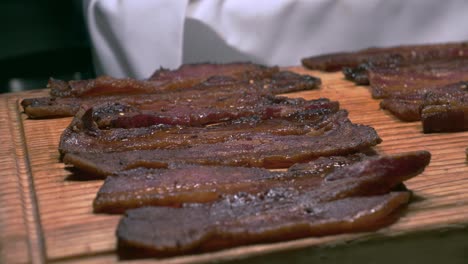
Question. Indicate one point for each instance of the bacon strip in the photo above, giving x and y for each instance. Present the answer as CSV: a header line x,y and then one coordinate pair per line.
x,y
446,110
417,79
292,117
355,198
202,184
355,65
119,90
340,137
162,80
442,108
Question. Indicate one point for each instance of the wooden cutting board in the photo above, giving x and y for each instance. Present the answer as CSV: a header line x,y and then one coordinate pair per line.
x,y
46,210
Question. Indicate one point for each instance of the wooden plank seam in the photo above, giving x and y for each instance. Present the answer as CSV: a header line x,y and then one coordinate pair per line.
x,y
27,191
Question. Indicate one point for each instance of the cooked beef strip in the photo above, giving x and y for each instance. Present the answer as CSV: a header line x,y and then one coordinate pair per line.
x,y
354,198
200,184
340,137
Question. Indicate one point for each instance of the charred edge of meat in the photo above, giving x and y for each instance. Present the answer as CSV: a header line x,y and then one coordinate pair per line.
x,y
357,74
58,88
46,107
288,82
330,62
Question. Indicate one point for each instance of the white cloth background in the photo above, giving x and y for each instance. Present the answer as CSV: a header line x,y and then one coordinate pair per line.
x,y
135,37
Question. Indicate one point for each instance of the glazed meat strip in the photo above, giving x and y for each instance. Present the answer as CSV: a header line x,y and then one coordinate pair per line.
x,y
355,198
202,184
339,137
356,64
279,82
162,80
290,117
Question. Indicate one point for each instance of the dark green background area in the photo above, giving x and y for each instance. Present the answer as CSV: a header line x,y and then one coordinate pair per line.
x,y
42,39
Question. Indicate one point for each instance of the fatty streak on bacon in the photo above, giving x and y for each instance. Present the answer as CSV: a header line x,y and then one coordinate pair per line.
x,y
355,198
340,137
202,184
355,64
277,82
289,117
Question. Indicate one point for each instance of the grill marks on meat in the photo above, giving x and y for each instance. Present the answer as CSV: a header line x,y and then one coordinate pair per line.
x,y
340,137
284,117
357,197
358,62
203,184
67,101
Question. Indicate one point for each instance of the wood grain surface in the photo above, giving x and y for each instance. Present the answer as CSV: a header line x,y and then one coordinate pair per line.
x,y
46,210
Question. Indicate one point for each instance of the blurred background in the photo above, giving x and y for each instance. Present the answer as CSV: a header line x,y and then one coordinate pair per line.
x,y
49,38
42,38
